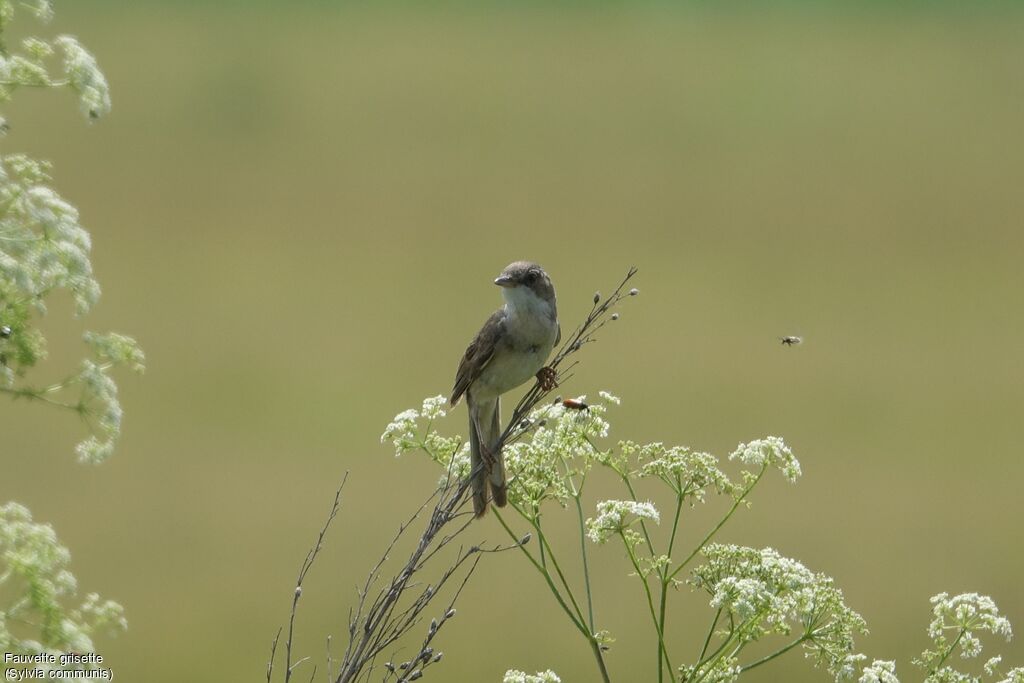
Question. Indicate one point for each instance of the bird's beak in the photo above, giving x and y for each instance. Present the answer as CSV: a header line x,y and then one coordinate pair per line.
x,y
504,281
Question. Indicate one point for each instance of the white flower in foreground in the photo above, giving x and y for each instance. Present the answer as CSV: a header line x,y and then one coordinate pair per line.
x,y
765,593
85,78
434,407
686,472
31,554
770,451
724,670
1015,676
992,665
880,671
614,516
514,676
967,612
402,431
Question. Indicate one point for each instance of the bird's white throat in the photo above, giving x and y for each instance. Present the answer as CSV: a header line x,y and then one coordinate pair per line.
x,y
522,302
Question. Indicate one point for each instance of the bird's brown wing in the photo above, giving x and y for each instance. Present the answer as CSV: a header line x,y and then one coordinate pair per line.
x,y
478,354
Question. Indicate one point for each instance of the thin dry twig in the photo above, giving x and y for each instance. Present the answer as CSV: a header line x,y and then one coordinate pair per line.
x,y
307,564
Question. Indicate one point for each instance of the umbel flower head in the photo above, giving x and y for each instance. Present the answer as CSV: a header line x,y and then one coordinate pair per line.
x,y
764,593
515,676
616,516
31,554
956,624
770,451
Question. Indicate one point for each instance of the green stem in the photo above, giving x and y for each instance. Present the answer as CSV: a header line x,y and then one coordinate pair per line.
x,y
662,650
547,577
586,566
711,633
599,656
50,84
779,652
650,547
544,545
711,534
948,652
39,395
577,622
665,580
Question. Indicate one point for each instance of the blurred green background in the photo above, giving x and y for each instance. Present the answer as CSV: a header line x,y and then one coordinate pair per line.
x,y
298,210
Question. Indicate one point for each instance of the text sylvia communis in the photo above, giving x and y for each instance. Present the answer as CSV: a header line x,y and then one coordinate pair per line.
x,y
509,349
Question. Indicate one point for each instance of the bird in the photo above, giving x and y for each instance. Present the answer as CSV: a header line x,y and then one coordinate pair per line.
x,y
791,340
511,347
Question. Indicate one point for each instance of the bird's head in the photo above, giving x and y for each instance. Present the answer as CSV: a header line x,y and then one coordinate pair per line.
x,y
524,280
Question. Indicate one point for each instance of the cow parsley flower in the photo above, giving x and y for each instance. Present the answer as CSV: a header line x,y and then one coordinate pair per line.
x,y
402,431
31,554
85,78
686,472
765,593
615,516
514,676
724,670
1014,676
956,623
770,451
559,448
880,671
967,612
992,665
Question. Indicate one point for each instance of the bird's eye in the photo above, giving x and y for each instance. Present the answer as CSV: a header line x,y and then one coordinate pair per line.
x,y
531,277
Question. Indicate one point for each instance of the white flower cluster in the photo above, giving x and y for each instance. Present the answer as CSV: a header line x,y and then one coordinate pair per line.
x,y
514,676
724,670
967,612
615,516
686,472
81,73
85,78
44,246
42,9
560,447
765,593
31,554
401,431
963,616
406,433
116,349
880,671
770,451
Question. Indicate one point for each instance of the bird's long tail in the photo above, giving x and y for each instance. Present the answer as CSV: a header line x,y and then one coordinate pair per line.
x,y
499,494
485,429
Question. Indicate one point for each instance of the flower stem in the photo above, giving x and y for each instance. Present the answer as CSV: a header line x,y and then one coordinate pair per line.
x,y
547,577
586,567
662,650
665,578
721,523
781,651
576,621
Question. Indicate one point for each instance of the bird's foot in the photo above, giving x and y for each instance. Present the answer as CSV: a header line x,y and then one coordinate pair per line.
x,y
487,457
548,378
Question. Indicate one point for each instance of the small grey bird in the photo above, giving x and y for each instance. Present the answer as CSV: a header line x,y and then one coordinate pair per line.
x,y
511,347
